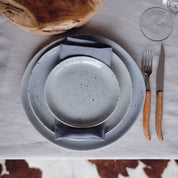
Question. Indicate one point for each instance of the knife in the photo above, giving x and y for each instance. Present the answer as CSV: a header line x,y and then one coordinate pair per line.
x,y
159,89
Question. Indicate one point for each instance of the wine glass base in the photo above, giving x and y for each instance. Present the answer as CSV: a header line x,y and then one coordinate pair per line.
x,y
156,24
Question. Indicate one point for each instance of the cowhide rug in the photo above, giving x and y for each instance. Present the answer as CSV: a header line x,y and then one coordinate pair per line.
x,y
88,168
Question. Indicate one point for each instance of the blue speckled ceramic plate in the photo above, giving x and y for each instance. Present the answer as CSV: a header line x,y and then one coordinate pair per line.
x,y
112,132
82,92
39,76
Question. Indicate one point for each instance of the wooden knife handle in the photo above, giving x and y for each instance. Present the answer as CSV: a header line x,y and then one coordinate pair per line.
x,y
146,115
159,114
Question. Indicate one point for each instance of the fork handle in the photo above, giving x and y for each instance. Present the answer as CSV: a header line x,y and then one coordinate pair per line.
x,y
159,114
146,115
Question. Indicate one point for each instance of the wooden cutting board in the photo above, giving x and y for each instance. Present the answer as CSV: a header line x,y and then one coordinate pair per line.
x,y
49,17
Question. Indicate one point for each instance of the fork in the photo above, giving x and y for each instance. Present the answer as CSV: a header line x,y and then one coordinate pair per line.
x,y
147,70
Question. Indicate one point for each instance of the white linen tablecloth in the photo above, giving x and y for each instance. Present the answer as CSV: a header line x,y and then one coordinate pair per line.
x,y
119,21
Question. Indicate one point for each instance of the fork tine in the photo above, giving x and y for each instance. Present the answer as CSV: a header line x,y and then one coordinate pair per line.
x,y
145,56
147,61
151,62
145,53
148,55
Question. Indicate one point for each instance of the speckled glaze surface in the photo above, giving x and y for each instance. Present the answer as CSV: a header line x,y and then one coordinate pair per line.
x,y
137,99
39,76
81,91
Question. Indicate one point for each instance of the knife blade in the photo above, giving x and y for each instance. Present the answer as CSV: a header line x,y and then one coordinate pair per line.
x,y
159,89
160,71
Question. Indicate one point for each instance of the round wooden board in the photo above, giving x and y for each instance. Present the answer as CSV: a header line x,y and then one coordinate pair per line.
x,y
49,17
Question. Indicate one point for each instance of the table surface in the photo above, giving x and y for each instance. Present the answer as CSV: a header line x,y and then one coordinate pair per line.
x,y
119,21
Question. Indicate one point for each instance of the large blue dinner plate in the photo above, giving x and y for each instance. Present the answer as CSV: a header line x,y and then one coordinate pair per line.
x,y
133,110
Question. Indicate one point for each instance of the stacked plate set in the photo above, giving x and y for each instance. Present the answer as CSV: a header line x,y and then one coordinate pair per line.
x,y
80,96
